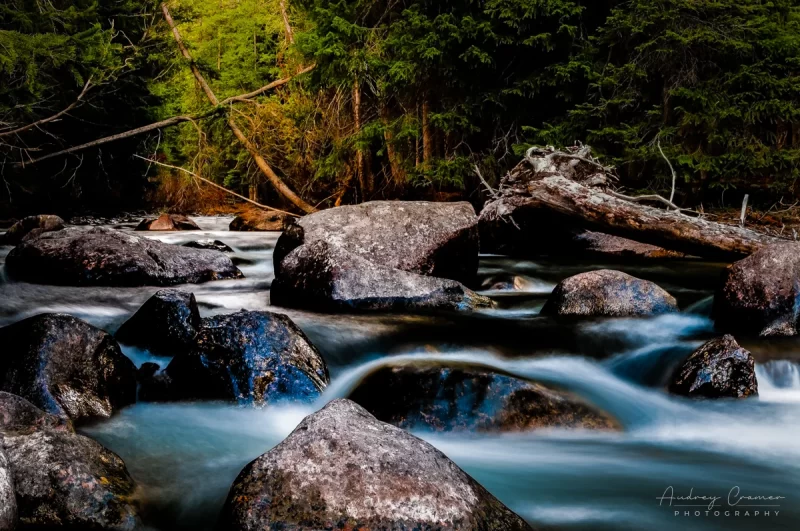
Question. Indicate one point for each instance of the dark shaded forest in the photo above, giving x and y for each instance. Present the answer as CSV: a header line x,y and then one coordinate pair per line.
x,y
338,102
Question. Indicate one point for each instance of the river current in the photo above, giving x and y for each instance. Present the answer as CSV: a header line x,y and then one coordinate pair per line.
x,y
185,456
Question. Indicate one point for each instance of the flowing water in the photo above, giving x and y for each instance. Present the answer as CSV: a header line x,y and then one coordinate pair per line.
x,y
185,456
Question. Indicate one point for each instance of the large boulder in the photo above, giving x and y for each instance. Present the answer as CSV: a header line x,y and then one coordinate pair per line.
x,y
343,469
105,257
608,293
251,357
259,220
718,369
8,501
66,366
430,396
434,239
31,227
321,276
166,222
62,479
165,324
761,293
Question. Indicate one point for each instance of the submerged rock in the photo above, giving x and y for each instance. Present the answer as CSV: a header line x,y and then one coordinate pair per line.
x,y
8,502
718,369
166,323
761,293
166,222
608,293
31,227
429,396
258,220
434,239
105,257
320,276
343,469
62,479
66,366
212,245
251,357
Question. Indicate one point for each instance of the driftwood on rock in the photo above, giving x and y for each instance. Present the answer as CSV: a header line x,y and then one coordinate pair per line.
x,y
552,189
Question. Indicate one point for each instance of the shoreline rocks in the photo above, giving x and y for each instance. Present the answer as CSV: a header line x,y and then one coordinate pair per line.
x,y
61,479
761,293
608,293
105,257
31,227
66,367
432,239
718,369
466,398
320,276
167,222
342,468
259,220
250,357
211,245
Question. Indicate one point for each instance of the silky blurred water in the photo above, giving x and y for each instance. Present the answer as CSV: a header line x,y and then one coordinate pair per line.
x,y
185,456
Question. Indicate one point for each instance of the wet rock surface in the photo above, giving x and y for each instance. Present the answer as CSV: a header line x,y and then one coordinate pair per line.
x,y
30,227
61,479
608,293
718,369
8,502
167,222
66,366
323,277
166,323
465,398
597,243
259,220
105,257
761,293
343,469
212,245
433,239
251,357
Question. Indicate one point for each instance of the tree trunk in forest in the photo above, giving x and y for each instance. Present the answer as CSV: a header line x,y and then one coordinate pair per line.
x,y
361,175
398,174
286,26
553,199
265,168
427,133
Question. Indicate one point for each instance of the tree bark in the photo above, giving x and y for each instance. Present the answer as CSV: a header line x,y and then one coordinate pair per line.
x,y
286,26
363,183
265,168
592,208
427,133
398,174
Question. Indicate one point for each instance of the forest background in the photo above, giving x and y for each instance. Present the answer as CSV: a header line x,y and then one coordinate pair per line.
x,y
413,99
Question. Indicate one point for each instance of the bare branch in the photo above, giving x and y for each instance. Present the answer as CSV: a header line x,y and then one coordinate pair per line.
x,y
55,116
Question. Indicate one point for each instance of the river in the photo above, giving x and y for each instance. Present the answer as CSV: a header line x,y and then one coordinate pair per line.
x,y
185,456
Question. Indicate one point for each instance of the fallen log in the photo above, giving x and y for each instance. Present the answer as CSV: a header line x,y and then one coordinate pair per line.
x,y
542,197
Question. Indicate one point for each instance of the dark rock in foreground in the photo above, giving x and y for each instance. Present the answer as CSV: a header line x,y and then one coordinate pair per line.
x,y
761,294
105,257
30,227
718,369
168,222
166,323
434,239
429,396
343,469
608,293
212,245
66,366
258,220
323,277
61,479
250,357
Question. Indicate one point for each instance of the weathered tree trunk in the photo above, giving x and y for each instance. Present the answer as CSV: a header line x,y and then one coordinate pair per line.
x,y
427,132
286,26
265,168
359,162
398,174
541,198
